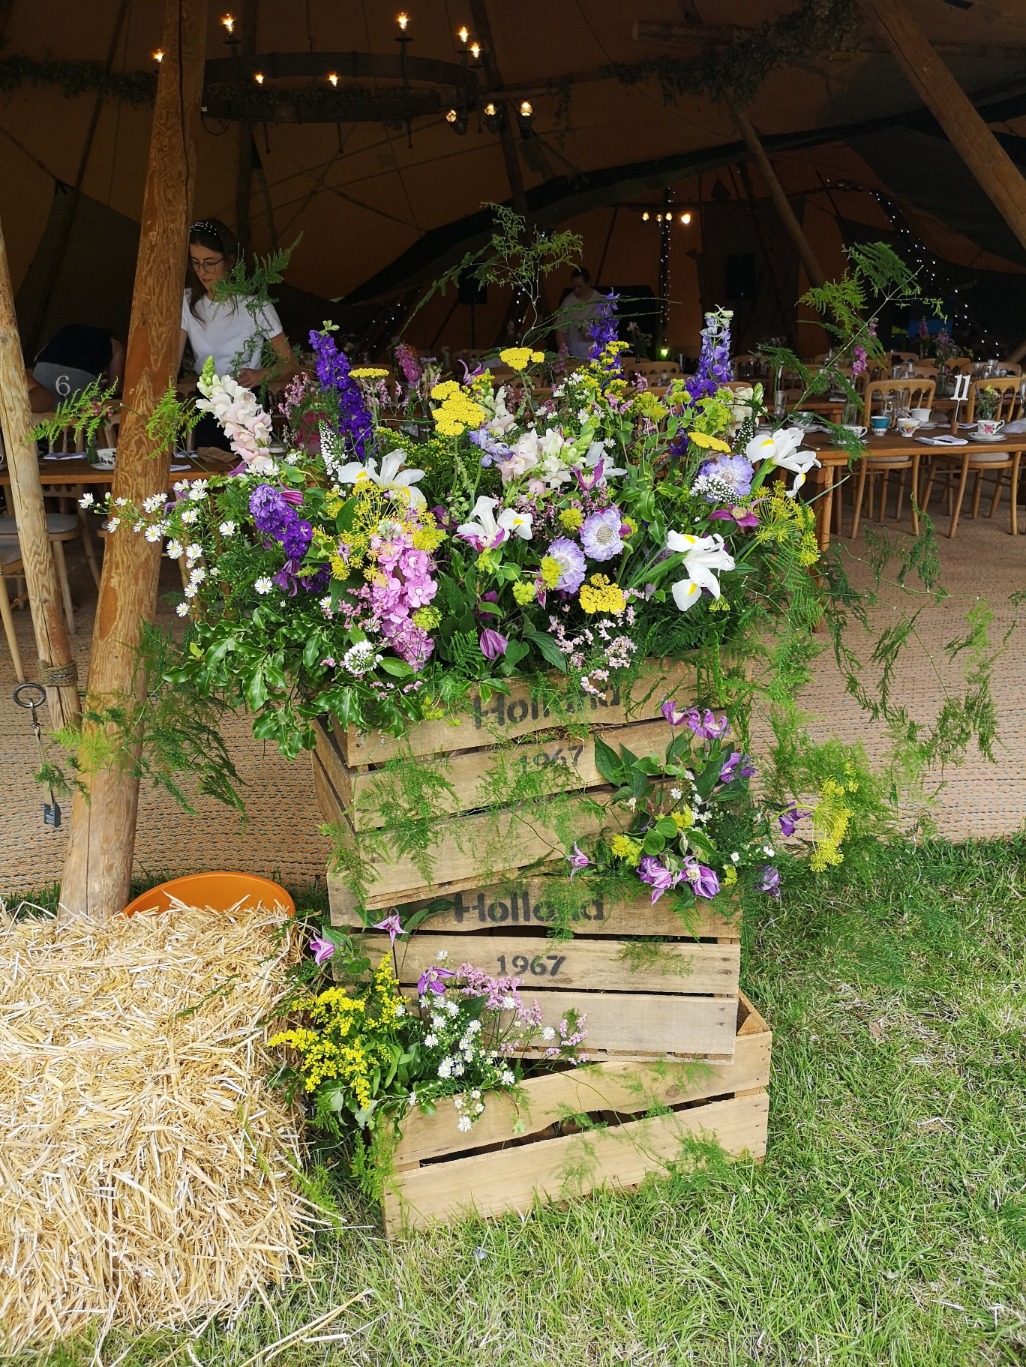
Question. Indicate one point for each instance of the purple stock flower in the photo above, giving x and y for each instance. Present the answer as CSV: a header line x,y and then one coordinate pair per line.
x,y
790,817
433,980
393,925
601,534
737,766
578,860
770,881
657,876
322,950
570,559
354,421
673,714
493,643
408,363
706,725
703,880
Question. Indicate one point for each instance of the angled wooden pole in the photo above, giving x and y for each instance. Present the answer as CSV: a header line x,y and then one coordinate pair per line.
x,y
57,670
98,868
993,168
778,194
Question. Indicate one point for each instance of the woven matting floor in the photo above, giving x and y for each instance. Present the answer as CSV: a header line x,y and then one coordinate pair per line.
x,y
280,835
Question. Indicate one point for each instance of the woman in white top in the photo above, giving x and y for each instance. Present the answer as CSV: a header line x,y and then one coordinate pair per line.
x,y
230,330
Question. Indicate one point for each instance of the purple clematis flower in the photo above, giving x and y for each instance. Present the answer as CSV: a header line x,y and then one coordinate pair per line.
x,y
492,643
578,860
393,925
322,950
789,819
704,881
673,714
736,766
657,876
433,980
741,517
770,880
706,725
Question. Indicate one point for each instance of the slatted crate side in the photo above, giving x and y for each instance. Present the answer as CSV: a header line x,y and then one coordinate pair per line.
x,y
506,716
492,1170
470,852
527,902
583,964
623,1087
559,763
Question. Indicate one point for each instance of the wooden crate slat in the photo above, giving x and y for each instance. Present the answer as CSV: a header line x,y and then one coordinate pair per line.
x,y
560,765
648,1025
506,716
620,1156
594,965
611,1086
468,847
523,901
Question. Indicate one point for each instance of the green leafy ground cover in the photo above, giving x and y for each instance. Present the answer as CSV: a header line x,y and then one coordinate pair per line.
x,y
887,1225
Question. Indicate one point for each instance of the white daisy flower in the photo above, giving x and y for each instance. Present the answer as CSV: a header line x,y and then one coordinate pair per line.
x,y
182,609
174,550
155,533
464,1123
198,490
190,515
263,584
112,525
153,503
86,501
227,528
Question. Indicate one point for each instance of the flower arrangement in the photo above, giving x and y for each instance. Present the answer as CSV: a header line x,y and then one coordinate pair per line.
x,y
363,1054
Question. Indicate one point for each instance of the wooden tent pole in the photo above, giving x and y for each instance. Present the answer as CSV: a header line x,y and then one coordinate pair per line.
x,y
57,667
778,195
954,111
98,868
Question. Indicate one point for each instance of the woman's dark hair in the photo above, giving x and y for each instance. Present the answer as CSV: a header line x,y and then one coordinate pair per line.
x,y
217,237
583,273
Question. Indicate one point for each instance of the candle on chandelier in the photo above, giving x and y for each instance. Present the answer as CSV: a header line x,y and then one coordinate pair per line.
x,y
402,20
158,56
229,23
333,77
463,34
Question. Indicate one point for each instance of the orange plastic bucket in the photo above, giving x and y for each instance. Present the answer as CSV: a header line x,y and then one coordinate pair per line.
x,y
218,890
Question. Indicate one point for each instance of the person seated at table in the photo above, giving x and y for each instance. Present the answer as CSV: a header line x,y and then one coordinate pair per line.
x,y
577,309
75,357
231,331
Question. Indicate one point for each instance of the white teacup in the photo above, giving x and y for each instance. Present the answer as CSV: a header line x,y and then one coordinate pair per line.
x,y
106,456
908,427
989,427
920,414
854,429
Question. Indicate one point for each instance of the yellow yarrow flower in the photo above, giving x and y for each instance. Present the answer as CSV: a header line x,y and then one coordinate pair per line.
x,y
524,592
599,595
516,357
446,389
707,442
368,372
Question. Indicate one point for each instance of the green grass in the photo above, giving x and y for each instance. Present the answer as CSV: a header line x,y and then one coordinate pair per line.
x,y
887,1225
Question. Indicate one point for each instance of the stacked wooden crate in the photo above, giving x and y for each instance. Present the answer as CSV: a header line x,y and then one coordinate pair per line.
x,y
652,988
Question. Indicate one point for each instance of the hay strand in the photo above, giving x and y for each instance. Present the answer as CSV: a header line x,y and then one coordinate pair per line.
x,y
146,1170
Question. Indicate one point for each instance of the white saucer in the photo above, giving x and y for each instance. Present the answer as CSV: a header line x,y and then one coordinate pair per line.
x,y
979,436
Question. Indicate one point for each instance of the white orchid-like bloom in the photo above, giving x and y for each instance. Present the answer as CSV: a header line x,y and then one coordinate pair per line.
x,y
702,556
595,453
484,531
390,476
517,523
781,448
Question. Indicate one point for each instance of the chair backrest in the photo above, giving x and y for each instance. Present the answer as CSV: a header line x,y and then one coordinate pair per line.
x,y
960,364
916,393
924,371
651,367
1007,391
897,356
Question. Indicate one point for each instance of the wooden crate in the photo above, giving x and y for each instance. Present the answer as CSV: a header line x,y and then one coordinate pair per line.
x,y
650,985
483,843
528,1147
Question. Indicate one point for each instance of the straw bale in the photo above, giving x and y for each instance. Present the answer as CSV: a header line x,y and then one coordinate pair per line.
x,y
145,1168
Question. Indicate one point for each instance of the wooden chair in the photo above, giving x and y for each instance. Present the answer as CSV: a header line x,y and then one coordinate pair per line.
x,y
653,370
902,357
10,568
959,364
978,461
924,371
61,528
920,395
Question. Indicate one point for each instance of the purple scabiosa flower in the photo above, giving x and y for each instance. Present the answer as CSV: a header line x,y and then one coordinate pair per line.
x,y
673,714
732,474
570,559
393,925
578,860
601,534
433,980
704,881
657,876
736,766
790,817
492,643
322,950
770,880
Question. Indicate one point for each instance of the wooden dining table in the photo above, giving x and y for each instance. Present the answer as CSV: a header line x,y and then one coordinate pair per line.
x,y
73,472
832,472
